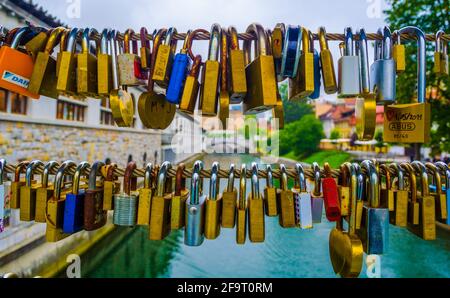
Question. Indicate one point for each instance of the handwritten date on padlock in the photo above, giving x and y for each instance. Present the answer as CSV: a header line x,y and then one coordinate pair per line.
x,y
330,196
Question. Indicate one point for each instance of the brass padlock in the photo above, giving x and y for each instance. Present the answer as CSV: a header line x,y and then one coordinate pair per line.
x,y
398,53
278,44
62,46
386,192
285,199
327,63
439,195
38,42
111,187
178,204
399,216
241,208
238,79
256,223
164,59
104,64
261,77
224,97
302,85
270,194
17,184
439,56
213,205
45,192
344,189
67,72
87,66
146,54
413,204
160,212
229,201
145,197
359,194
4,189
28,192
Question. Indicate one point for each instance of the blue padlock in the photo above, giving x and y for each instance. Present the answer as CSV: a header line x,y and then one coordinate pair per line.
x,y
74,206
180,70
317,70
291,51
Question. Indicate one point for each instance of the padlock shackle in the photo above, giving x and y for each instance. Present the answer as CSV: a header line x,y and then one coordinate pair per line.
x,y
261,46
21,168
434,172
384,171
169,40
180,181
162,177
30,171
234,39
269,40
345,170
129,181
242,201
323,42
130,46
196,183
72,40
255,182
214,42
373,182
400,175
301,177
2,170
387,43
18,36
421,60
80,170
306,42
157,40
360,182
110,172
145,42
348,42
104,41
53,39
63,40
114,53
364,61
269,179
186,43
421,169
191,37
353,197
283,177
438,44
317,179
148,176
444,168
59,178
95,169
412,180
224,62
47,169
230,184
214,181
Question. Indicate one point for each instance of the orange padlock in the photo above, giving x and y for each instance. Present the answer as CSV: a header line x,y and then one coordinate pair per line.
x,y
16,67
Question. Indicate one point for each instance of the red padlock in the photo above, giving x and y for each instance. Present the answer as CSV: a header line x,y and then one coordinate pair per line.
x,y
330,195
16,67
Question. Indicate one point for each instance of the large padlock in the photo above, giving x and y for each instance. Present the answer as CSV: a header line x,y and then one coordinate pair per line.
x,y
348,68
179,198
261,77
285,199
195,209
242,208
317,195
326,61
438,193
160,213
28,193
17,184
410,123
229,201
62,46
56,205
330,195
43,79
399,216
209,89
111,187
45,192
346,249
445,170
292,51
104,64
256,223
16,67
302,200
374,232
383,70
74,206
164,59
213,205
129,63
270,195
126,203
94,215
145,197
67,72
236,66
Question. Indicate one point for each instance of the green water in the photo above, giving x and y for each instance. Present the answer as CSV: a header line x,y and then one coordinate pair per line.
x,y
285,253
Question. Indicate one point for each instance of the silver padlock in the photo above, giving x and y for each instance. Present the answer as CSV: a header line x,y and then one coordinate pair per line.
x,y
126,203
195,209
374,232
383,72
348,74
316,195
302,201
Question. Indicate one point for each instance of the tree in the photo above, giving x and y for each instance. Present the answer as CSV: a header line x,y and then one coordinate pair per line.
x,y
293,111
430,16
379,138
335,134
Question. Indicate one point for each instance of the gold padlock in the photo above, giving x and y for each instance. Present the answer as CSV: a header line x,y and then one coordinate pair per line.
x,y
398,53
104,65
285,198
256,224
386,192
213,205
270,195
164,59
38,42
160,214
17,184
224,97
238,80
344,189
326,61
241,212
145,50
45,192
67,71
302,85
87,66
229,200
439,195
28,192
178,204
277,38
438,66
399,216
145,197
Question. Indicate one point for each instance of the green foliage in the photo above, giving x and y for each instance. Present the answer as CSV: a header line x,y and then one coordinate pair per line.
x,y
334,158
335,134
293,111
379,138
430,16
302,136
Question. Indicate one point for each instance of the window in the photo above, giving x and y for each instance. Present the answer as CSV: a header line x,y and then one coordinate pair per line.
x,y
106,117
70,110
3,100
18,104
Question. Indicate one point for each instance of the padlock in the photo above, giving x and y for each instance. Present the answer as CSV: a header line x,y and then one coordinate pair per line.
x,y
145,51
111,187
180,69
94,215
410,123
278,43
62,47
16,67
75,203
256,223
374,232
398,53
413,204
330,195
145,197
317,69
241,208
43,79
439,195
28,193
87,66
236,66
383,70
302,200
44,192
386,192
38,42
104,64
126,203
292,51
326,62
229,202
360,192
399,216
285,199
164,59
179,198
209,89
348,69
160,213
121,102
444,60
270,195
224,96
195,209
438,67
56,205
316,195
129,63
302,85
3,192
261,77
17,184
346,249
67,72
426,229
366,106
344,188
444,168
213,205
